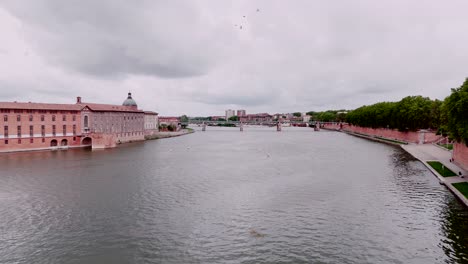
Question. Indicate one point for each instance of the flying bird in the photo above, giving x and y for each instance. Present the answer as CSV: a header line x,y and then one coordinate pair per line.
x,y
258,10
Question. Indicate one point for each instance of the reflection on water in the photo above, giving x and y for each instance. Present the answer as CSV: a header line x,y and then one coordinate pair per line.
x,y
228,197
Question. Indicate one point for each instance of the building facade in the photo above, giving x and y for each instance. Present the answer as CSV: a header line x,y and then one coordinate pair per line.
x,y
151,123
29,126
35,126
259,118
241,113
230,113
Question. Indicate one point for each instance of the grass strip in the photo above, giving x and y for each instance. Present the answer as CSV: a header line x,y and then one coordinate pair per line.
x,y
441,169
462,187
447,146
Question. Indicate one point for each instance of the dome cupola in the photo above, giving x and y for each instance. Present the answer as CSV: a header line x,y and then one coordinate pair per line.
x,y
129,101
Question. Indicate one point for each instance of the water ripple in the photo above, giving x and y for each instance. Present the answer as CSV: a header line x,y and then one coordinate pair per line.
x,y
225,197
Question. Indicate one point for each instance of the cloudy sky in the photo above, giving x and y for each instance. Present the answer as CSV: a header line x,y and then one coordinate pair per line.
x,y
192,57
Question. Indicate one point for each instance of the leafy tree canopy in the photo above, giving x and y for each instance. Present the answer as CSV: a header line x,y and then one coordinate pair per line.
x,y
456,107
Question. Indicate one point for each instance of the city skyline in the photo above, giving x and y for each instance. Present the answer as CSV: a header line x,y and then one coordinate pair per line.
x,y
192,57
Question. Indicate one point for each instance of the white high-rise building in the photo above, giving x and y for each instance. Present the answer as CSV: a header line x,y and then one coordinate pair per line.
x,y
230,113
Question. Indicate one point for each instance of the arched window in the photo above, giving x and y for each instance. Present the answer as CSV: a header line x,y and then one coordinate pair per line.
x,y
86,121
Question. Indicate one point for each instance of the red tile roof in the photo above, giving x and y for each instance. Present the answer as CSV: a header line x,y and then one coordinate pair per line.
x,y
67,107
109,108
39,106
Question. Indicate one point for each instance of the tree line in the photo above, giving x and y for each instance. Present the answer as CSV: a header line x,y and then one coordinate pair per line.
x,y
449,117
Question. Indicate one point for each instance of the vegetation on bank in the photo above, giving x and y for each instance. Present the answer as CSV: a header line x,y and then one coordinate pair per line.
x,y
328,116
462,187
449,117
409,114
441,169
456,110
170,127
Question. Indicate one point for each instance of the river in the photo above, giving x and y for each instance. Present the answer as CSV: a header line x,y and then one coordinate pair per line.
x,y
223,196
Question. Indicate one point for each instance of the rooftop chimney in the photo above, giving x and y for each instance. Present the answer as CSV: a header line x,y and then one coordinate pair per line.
x,y
78,100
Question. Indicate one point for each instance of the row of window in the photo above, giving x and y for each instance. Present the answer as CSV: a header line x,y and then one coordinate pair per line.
x,y
31,140
31,118
21,111
31,130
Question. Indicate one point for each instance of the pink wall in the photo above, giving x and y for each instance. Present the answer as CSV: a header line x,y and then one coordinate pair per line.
x,y
460,155
411,137
26,144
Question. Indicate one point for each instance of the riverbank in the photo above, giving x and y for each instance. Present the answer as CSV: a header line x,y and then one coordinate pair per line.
x,y
427,153
168,134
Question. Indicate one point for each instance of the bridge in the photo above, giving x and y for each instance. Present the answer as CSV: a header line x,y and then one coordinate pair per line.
x,y
278,124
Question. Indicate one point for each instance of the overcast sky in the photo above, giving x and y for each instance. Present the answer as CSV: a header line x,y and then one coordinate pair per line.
x,y
192,57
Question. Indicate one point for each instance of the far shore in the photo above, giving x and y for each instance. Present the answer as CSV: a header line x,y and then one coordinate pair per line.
x,y
169,134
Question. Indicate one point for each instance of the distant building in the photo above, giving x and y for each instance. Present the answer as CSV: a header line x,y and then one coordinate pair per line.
x,y
262,117
240,113
170,120
230,113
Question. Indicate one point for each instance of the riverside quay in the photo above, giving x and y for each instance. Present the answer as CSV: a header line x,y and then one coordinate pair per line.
x,y
40,126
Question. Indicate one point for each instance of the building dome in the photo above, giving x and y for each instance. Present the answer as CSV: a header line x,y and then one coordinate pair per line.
x,y
129,101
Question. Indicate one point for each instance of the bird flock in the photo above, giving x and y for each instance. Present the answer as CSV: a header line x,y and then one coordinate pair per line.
x,y
240,26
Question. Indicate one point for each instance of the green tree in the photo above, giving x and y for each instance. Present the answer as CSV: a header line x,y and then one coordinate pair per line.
x,y
297,114
184,119
234,118
412,113
456,107
327,116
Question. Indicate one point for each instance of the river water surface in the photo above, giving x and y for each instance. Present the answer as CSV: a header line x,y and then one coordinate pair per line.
x,y
223,196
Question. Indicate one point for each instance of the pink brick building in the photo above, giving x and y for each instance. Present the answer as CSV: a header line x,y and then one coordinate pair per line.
x,y
36,126
262,117
28,126
151,123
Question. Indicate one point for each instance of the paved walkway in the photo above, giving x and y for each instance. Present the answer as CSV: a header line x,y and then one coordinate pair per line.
x,y
168,134
429,152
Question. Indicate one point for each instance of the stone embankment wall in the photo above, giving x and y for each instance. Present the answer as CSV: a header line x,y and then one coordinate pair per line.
x,y
460,155
410,137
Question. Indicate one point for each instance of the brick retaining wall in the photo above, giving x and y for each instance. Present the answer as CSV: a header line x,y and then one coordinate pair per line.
x,y
410,137
460,155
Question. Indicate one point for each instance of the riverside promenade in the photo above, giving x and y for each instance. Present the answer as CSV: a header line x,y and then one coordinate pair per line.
x,y
168,134
430,152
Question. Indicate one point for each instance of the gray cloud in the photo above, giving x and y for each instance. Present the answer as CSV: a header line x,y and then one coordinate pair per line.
x,y
192,57
112,38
